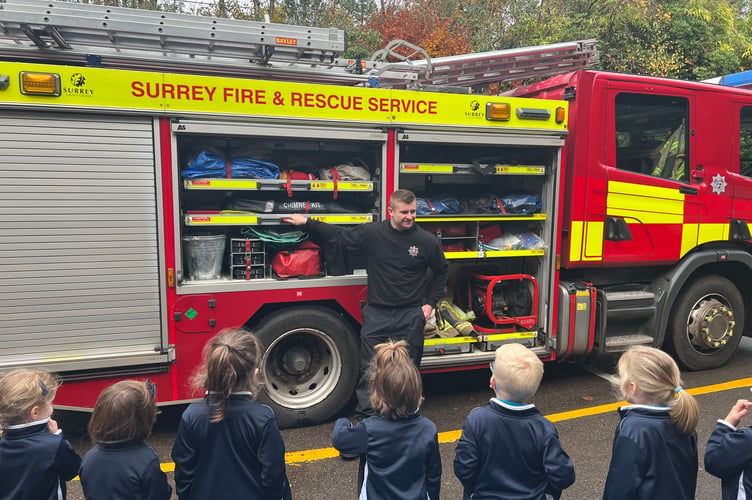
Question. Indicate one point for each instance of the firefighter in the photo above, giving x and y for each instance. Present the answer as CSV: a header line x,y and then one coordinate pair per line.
x,y
400,297
670,155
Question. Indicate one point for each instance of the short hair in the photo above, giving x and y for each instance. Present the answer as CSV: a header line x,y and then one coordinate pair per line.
x,y
518,372
23,389
396,386
401,196
125,411
657,376
230,364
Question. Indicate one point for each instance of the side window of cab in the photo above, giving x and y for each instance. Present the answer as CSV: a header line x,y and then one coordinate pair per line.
x,y
745,141
652,135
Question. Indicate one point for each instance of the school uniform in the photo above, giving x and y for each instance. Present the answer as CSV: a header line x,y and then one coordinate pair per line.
x,y
651,458
242,456
35,463
509,450
728,456
127,470
399,460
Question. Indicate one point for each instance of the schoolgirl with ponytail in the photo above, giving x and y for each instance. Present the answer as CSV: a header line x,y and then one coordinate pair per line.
x,y
228,445
655,447
398,448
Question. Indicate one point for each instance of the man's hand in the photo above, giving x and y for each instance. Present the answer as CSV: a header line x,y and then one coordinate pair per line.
x,y
297,219
427,310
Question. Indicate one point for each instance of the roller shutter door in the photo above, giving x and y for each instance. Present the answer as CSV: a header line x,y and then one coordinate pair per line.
x,y
79,254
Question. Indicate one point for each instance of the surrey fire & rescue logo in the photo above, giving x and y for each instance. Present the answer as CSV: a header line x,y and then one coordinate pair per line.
x,y
413,251
78,86
474,107
719,184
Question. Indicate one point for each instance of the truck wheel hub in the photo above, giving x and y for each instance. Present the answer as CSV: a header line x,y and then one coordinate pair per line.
x,y
711,324
296,361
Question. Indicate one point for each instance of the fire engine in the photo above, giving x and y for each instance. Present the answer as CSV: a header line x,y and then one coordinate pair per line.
x,y
150,160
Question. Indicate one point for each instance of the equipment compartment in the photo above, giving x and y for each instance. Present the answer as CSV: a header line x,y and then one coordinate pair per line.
x,y
233,177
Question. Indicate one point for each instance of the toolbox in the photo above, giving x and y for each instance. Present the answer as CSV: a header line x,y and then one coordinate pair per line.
x,y
247,259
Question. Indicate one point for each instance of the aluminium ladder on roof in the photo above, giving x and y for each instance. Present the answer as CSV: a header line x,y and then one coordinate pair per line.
x,y
77,33
71,32
506,65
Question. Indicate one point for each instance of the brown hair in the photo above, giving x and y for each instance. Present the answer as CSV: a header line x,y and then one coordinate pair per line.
x,y
124,411
396,386
230,364
21,390
518,372
401,196
658,378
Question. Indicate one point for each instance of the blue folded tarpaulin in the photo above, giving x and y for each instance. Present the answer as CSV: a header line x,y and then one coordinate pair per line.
x,y
209,164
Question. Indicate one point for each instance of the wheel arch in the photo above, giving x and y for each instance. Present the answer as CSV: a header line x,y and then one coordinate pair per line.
x,y
273,308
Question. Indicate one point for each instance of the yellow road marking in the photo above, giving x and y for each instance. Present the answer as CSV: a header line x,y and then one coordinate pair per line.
x,y
296,457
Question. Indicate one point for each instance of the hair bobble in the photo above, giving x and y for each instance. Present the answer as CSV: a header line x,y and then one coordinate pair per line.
x,y
678,389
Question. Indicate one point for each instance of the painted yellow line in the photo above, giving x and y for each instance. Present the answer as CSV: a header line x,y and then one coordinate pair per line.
x,y
296,457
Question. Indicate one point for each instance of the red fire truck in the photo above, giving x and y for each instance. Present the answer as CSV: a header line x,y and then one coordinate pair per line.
x,y
140,217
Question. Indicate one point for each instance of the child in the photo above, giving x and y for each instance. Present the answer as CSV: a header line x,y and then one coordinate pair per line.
x,y
121,465
399,448
655,447
508,449
229,446
729,453
35,458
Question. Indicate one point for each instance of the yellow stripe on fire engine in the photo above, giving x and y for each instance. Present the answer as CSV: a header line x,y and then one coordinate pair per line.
x,y
591,234
593,241
712,232
689,238
575,241
649,204
174,93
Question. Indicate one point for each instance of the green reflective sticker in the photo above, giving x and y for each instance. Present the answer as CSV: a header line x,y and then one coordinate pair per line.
x,y
190,313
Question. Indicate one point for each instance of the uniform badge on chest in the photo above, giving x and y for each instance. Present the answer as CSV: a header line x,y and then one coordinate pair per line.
x,y
413,251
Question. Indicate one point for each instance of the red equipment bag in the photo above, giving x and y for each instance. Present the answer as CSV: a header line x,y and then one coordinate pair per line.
x,y
301,261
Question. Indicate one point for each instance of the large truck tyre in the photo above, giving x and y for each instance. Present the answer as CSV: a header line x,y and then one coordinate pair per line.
x,y
310,364
707,323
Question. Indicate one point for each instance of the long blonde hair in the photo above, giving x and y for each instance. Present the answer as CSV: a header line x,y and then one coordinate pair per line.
x,y
658,378
396,386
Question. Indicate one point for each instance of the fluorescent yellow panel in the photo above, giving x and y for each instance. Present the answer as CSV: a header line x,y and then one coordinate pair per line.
x,y
712,232
689,238
593,241
575,241
644,190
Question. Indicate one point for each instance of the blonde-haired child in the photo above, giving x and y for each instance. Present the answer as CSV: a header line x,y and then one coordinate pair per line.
x,y
399,448
507,448
228,445
35,458
655,446
121,465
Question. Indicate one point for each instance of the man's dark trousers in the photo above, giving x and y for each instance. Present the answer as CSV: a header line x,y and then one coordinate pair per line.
x,y
379,325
